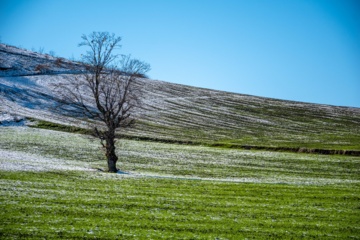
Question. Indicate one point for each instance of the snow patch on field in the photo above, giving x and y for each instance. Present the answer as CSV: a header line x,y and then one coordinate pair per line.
x,y
21,161
7,120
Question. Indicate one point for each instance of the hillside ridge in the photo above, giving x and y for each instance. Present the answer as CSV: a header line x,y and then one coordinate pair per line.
x,y
175,112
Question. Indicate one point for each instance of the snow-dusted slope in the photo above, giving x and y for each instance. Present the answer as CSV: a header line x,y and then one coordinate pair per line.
x,y
176,112
19,62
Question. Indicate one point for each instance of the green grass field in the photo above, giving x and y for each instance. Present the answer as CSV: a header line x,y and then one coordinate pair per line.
x,y
50,188
76,205
206,186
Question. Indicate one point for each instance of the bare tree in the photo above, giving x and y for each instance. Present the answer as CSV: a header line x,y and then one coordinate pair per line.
x,y
41,50
105,91
52,53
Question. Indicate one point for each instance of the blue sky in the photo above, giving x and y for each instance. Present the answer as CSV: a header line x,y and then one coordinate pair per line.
x,y
303,50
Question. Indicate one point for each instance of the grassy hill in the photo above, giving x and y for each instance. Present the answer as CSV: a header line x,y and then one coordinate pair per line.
x,y
179,113
51,186
194,114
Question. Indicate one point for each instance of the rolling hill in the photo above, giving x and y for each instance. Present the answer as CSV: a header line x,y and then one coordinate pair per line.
x,y
184,114
52,184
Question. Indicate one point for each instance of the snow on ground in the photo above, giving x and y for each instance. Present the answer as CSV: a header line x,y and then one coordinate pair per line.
x,y
7,120
18,153
19,62
31,149
269,180
22,161
31,97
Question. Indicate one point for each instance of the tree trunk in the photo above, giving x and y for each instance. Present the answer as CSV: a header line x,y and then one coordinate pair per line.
x,y
112,165
111,155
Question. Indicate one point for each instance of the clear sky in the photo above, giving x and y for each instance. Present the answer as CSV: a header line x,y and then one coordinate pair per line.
x,y
303,50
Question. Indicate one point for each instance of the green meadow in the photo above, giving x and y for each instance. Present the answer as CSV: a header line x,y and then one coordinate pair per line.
x,y
51,188
74,205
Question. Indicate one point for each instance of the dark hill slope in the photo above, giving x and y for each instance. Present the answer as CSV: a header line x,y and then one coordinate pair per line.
x,y
178,113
